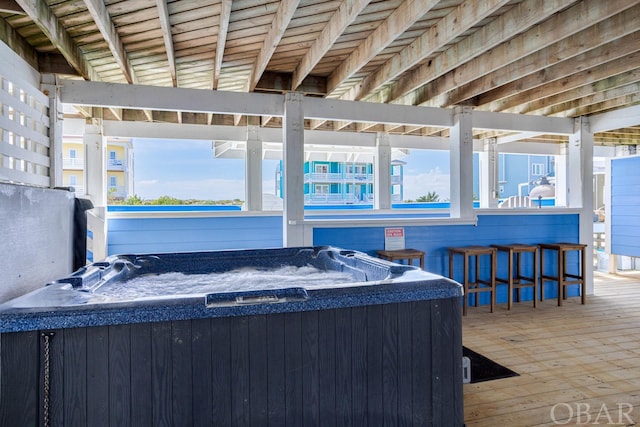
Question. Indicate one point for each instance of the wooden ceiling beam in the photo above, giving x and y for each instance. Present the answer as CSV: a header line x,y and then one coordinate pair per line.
x,y
279,25
167,37
43,17
459,20
100,15
621,81
576,88
223,29
397,23
596,102
525,94
498,31
347,12
567,50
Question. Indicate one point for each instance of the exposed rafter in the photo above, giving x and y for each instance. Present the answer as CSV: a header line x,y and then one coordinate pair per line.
x,y
41,14
99,13
534,56
397,23
524,94
505,27
437,36
163,14
280,22
343,17
225,15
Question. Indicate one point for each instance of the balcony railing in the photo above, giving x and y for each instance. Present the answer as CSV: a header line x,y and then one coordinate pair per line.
x,y
338,177
115,164
72,163
359,177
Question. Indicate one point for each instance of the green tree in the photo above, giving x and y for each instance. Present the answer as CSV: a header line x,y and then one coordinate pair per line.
x,y
431,196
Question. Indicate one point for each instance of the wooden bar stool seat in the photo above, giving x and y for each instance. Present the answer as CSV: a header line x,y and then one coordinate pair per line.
x,y
562,277
400,254
479,284
516,279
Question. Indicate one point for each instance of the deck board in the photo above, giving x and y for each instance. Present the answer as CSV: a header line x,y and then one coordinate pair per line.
x,y
570,356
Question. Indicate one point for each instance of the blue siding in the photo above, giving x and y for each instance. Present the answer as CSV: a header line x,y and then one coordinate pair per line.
x,y
150,235
625,206
435,240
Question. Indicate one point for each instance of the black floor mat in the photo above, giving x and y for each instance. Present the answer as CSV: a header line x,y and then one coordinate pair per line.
x,y
485,369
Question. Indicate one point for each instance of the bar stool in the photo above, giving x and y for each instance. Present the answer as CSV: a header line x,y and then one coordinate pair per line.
x,y
563,278
479,285
400,254
519,280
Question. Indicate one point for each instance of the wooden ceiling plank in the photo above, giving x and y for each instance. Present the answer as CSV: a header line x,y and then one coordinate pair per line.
x,y
461,18
565,49
103,21
283,16
595,102
607,60
223,28
398,22
341,19
498,31
577,94
41,14
163,13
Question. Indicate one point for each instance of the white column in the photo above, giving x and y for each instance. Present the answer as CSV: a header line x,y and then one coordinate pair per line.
x,y
382,172
461,153
95,175
293,161
253,169
562,176
489,174
95,163
580,153
50,88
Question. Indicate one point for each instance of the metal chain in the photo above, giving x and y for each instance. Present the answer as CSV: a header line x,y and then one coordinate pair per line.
x,y
47,377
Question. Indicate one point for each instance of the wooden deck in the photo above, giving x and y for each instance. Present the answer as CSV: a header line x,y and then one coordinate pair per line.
x,y
577,363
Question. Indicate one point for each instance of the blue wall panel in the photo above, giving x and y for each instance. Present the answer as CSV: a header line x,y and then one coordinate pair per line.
x,y
149,235
500,229
625,206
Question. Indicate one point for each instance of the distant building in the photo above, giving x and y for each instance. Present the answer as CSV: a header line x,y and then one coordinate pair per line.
x,y
119,158
339,183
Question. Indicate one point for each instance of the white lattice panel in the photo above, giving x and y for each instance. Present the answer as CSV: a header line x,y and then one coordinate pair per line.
x,y
24,127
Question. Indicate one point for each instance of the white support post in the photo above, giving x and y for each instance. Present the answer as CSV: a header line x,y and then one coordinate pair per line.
x,y
461,158
382,172
293,161
489,174
612,264
577,153
51,89
96,187
562,176
95,164
581,187
253,169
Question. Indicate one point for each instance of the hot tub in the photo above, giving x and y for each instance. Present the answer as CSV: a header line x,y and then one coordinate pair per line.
x,y
295,336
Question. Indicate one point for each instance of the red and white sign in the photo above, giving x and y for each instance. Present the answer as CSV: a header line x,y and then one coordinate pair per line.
x,y
393,239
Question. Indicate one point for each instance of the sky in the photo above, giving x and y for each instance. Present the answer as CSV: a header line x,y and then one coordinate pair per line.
x,y
187,169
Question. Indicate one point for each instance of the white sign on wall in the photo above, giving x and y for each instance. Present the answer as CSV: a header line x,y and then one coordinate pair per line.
x,y
393,238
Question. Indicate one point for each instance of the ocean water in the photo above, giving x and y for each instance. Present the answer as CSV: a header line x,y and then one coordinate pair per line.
x,y
243,279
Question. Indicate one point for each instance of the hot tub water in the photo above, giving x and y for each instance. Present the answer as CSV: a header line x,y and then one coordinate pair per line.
x,y
237,280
